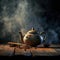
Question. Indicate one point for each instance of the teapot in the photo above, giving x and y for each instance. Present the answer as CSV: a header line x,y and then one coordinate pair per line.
x,y
32,37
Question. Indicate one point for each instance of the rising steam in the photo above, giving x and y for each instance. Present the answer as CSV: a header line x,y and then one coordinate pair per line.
x,y
23,20
20,15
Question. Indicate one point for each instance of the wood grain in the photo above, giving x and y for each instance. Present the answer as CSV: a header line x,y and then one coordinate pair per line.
x,y
6,50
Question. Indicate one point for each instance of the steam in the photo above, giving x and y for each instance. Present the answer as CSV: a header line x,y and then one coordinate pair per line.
x,y
26,17
21,16
23,20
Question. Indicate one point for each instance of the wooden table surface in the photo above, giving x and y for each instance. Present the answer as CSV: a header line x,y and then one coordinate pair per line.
x,y
6,50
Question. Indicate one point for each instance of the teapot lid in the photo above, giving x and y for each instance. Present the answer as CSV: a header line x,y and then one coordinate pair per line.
x,y
32,31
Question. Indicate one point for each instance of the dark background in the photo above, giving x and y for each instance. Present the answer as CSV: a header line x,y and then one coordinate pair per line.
x,y
51,11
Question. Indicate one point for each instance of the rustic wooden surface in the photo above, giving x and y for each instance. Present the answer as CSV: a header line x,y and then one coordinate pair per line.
x,y
6,50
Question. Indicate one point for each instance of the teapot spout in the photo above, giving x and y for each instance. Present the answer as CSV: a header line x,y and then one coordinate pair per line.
x,y
21,37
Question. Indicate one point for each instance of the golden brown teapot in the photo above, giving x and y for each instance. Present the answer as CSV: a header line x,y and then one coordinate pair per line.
x,y
31,38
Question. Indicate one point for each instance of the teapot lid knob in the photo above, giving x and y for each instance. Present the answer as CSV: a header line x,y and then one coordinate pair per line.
x,y
32,28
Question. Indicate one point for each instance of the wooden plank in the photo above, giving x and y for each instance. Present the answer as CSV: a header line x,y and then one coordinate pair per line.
x,y
6,50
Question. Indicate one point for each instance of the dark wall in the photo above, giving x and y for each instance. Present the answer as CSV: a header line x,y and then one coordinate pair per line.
x,y
50,11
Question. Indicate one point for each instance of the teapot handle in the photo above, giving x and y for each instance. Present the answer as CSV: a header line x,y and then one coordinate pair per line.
x,y
44,36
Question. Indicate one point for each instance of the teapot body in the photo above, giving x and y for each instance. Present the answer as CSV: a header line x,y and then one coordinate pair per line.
x,y
32,38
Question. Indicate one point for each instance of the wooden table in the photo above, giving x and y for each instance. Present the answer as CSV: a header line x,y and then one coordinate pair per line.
x,y
6,50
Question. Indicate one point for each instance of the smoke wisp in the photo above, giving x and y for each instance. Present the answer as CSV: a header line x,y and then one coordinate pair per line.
x,y
22,15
